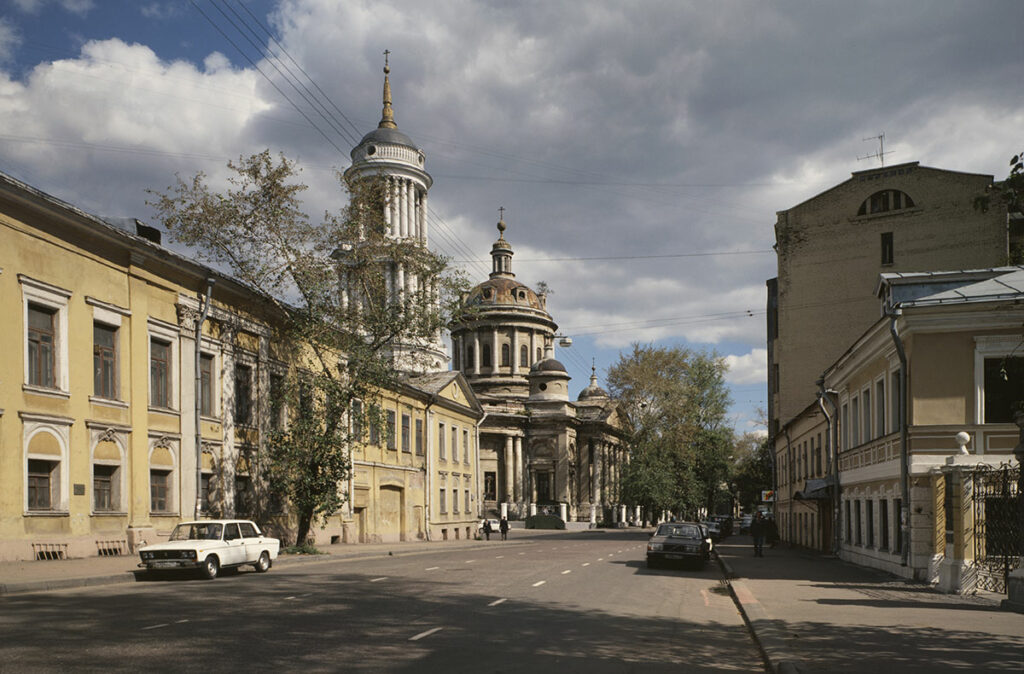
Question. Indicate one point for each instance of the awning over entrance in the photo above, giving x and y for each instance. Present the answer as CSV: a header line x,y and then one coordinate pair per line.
x,y
816,490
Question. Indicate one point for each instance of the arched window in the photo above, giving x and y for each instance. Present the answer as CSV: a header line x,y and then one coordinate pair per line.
x,y
524,355
485,355
538,355
469,358
505,355
885,200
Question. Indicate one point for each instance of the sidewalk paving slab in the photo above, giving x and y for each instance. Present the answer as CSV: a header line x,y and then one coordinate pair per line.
x,y
812,613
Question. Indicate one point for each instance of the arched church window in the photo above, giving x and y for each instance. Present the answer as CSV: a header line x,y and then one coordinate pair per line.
x,y
538,354
485,355
469,358
505,355
524,355
884,201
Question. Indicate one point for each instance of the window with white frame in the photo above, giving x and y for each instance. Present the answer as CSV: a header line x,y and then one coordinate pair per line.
x,y
207,384
998,377
244,390
865,399
455,443
163,369
46,464
844,423
104,360
108,475
162,477
45,312
880,424
854,421
441,438
465,446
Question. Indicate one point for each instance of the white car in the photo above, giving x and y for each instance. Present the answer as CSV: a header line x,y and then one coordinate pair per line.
x,y
210,545
495,526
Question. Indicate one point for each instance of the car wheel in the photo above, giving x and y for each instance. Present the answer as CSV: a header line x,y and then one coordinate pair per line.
x,y
210,567
263,563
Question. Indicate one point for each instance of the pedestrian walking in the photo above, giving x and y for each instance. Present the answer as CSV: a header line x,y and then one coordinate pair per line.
x,y
487,529
758,529
503,526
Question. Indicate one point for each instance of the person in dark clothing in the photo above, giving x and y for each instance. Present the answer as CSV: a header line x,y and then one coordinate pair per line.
x,y
758,529
771,532
487,529
503,526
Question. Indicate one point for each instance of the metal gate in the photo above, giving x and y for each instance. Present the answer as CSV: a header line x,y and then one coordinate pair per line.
x,y
998,538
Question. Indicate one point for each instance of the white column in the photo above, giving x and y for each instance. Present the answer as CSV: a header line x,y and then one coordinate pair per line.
x,y
476,353
636,517
509,469
513,356
533,344
597,468
593,514
389,206
533,509
423,218
410,230
504,510
622,515
495,351
518,443
563,512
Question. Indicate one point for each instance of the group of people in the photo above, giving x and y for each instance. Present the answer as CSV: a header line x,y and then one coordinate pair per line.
x,y
485,526
763,528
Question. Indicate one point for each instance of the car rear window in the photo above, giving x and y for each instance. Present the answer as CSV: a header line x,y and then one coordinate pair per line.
x,y
686,531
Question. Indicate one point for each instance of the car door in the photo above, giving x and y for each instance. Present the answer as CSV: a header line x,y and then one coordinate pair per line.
x,y
234,545
252,540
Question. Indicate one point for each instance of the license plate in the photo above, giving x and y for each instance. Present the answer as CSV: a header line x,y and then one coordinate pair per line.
x,y
673,556
166,565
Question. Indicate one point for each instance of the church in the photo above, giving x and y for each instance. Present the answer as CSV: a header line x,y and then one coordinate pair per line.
x,y
540,451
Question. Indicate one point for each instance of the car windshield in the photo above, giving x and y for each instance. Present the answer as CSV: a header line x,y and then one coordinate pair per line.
x,y
196,531
681,530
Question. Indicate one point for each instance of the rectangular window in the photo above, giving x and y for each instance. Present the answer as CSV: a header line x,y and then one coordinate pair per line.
x,y
392,440
159,373
243,395
243,496
455,501
849,523
466,502
855,422
41,481
465,447
455,443
358,423
865,399
880,407
1004,386
42,353
869,517
818,455
204,491
858,529
440,440
844,423
159,481
406,439
104,361
894,400
419,437
374,425
103,488
206,384
887,248
441,501
883,521
277,402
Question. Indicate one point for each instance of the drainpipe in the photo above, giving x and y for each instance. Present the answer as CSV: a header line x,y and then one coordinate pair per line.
x,y
825,395
428,500
894,313
789,470
199,397
479,499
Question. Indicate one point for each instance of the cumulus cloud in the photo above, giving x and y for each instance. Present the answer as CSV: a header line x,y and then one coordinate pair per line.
x,y
749,368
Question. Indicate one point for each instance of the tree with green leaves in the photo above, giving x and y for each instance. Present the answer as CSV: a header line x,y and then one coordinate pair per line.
x,y
676,402
752,469
325,290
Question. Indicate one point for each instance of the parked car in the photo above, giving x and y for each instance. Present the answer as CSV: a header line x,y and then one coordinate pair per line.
x,y
745,523
724,524
211,545
495,526
714,530
678,542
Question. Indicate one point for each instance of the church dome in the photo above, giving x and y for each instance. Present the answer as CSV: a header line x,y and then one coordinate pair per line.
x,y
389,136
593,390
503,291
548,365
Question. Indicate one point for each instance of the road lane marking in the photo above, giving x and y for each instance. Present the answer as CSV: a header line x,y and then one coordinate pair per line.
x,y
470,561
287,598
425,634
498,601
179,622
432,568
539,583
522,553
586,563
707,599
566,571
153,627
600,559
377,580
500,557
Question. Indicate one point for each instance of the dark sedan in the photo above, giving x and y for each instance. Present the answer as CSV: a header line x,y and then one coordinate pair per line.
x,y
677,542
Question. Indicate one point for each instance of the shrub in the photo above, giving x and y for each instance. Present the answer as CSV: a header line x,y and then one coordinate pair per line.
x,y
544,522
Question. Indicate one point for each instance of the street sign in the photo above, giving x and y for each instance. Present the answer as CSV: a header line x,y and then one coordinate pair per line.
x,y
767,495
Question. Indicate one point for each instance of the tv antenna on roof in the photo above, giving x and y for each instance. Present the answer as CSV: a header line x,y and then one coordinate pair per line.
x,y
881,149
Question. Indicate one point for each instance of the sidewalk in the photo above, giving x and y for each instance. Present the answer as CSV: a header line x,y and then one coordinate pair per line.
x,y
41,576
813,613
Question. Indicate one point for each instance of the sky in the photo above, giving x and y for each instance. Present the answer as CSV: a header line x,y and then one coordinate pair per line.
x,y
640,149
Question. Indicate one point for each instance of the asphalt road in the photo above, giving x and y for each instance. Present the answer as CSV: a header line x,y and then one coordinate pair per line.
x,y
581,602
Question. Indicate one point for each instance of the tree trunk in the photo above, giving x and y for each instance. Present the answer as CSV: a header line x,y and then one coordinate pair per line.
x,y
305,523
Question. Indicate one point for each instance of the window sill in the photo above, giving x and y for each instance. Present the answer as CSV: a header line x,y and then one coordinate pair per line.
x,y
164,514
108,513
165,410
210,419
47,513
44,391
108,402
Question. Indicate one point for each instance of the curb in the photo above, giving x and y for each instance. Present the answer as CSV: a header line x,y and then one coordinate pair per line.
x,y
765,631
